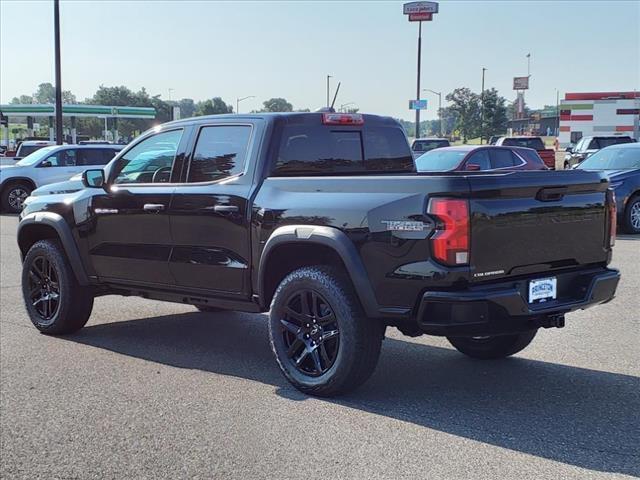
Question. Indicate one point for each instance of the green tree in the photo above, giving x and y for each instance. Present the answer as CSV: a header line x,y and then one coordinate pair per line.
x,y
277,105
214,106
22,99
466,105
495,113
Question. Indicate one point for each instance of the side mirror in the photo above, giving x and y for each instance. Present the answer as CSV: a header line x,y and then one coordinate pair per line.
x,y
46,164
93,178
472,167
568,150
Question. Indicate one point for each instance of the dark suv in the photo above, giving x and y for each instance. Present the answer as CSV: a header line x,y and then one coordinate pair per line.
x,y
321,219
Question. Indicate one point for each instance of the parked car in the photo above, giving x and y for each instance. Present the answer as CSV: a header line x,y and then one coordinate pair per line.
x,y
547,155
48,165
479,157
622,165
587,146
322,219
422,145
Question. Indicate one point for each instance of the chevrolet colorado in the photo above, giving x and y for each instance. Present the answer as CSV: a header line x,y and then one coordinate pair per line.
x,y
321,219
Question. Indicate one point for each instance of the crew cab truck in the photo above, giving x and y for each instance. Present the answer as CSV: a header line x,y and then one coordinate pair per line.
x,y
322,220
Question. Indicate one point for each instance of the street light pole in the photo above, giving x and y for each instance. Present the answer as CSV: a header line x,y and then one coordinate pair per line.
x,y
482,108
56,33
238,100
328,95
439,94
418,78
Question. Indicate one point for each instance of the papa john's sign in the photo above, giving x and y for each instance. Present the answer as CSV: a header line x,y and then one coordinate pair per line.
x,y
420,11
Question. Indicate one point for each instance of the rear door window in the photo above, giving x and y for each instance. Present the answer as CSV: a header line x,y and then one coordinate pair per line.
x,y
220,152
93,156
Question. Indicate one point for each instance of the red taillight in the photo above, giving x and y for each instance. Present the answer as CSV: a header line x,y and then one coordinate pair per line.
x,y
342,119
613,217
450,244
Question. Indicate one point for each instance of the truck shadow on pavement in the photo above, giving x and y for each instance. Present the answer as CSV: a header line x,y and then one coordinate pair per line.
x,y
576,416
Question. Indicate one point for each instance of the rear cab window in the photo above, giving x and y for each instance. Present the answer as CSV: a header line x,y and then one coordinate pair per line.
x,y
309,147
533,142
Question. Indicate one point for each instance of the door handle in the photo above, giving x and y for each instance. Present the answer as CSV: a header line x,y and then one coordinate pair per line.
x,y
153,207
225,208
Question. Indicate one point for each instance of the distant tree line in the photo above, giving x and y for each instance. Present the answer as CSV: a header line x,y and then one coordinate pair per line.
x,y
123,96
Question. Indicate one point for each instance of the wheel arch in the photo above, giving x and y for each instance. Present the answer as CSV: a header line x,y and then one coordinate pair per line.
x,y
294,246
14,180
48,225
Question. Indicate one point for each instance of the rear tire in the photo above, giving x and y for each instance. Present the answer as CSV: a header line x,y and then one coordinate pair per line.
x,y
486,348
632,215
323,342
54,300
14,195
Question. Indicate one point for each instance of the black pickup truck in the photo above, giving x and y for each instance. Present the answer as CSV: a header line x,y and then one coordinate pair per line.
x,y
321,219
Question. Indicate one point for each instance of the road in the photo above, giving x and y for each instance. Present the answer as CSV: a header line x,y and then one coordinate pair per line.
x,y
151,390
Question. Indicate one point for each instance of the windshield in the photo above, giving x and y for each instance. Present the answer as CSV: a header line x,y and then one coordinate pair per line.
x,y
36,156
439,160
612,159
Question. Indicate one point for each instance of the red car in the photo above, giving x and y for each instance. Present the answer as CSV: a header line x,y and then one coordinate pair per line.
x,y
547,155
479,157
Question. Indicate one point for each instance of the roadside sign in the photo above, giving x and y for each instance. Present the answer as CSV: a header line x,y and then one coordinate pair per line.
x,y
420,17
417,104
420,7
521,83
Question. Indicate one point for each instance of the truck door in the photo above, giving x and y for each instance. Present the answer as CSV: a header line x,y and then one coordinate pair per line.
x,y
130,238
209,212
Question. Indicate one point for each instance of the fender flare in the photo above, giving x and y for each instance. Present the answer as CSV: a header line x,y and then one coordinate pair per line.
x,y
69,245
334,239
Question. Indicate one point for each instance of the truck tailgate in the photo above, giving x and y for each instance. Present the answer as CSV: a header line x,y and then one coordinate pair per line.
x,y
536,222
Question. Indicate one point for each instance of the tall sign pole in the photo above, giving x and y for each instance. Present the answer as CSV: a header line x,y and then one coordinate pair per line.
x,y
419,12
56,33
418,76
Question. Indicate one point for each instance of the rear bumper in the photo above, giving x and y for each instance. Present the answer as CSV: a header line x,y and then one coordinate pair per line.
x,y
503,307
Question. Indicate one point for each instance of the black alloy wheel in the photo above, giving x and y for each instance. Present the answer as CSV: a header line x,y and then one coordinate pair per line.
x,y
44,288
310,332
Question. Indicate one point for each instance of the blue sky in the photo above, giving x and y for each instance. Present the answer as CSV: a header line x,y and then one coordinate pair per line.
x,y
286,49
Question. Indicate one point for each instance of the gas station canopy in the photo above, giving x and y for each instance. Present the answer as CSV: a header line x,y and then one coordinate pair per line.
x,y
71,110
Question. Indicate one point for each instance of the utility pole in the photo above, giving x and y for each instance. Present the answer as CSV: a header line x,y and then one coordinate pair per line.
x,y
439,94
418,77
238,100
482,108
557,112
56,33
170,90
328,95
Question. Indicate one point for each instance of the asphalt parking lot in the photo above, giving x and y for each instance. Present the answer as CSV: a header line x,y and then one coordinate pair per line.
x,y
157,390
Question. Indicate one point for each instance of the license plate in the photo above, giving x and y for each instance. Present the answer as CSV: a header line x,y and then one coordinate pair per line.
x,y
543,289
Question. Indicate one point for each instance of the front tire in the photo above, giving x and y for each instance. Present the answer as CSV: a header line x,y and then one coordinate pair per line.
x,y
14,195
54,300
632,215
323,342
486,348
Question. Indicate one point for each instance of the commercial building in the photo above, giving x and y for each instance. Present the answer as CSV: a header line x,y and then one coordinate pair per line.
x,y
598,113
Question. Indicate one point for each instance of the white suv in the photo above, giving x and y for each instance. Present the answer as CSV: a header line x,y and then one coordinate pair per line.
x,y
48,165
